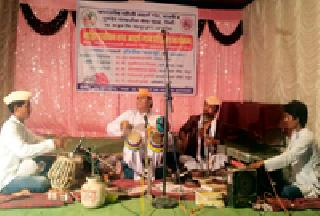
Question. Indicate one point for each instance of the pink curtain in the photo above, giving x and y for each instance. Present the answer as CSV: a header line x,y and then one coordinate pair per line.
x,y
46,66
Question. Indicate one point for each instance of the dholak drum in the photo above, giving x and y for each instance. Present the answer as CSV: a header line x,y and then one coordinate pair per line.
x,y
132,155
156,141
133,140
62,173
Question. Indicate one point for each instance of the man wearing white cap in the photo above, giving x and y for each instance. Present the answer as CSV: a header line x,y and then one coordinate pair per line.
x,y
18,146
201,126
134,120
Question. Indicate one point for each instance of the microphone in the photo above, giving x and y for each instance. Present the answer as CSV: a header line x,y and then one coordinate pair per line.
x,y
145,117
164,34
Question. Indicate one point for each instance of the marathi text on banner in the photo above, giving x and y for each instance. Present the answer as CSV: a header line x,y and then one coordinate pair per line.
x,y
120,46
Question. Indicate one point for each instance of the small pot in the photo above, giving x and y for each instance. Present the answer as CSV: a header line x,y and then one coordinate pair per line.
x,y
93,192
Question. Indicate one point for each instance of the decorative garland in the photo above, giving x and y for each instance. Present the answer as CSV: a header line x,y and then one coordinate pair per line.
x,y
52,27
225,39
44,28
201,25
74,17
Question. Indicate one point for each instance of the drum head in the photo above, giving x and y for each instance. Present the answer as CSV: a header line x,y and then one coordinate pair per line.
x,y
134,137
157,138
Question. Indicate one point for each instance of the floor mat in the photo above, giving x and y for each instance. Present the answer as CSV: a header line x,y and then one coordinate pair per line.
x,y
34,200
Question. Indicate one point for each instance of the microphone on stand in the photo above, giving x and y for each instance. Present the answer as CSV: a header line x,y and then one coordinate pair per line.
x,y
145,117
164,201
148,160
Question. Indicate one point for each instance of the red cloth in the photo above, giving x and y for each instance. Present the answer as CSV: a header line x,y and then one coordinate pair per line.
x,y
125,183
35,200
298,204
128,183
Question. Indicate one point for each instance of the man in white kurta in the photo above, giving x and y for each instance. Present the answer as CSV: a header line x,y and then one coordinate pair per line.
x,y
18,146
301,154
136,120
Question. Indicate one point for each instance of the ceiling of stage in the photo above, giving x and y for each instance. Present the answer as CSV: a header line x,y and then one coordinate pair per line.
x,y
212,4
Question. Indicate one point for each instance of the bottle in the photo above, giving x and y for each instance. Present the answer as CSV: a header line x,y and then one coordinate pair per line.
x,y
93,192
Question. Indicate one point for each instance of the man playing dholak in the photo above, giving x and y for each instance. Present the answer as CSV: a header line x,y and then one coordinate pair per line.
x,y
199,131
133,125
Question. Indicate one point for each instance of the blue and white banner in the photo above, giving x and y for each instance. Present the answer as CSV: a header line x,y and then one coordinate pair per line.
x,y
120,46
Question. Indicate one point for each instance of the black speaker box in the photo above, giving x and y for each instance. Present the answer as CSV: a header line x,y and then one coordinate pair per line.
x,y
264,184
242,188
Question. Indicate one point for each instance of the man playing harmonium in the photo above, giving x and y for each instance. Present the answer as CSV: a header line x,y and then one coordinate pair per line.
x,y
135,126
199,130
301,155
18,146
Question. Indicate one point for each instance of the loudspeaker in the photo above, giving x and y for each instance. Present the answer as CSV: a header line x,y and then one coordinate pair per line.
x,y
242,188
277,177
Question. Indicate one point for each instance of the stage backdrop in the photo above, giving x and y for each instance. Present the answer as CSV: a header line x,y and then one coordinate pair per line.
x,y
282,54
45,65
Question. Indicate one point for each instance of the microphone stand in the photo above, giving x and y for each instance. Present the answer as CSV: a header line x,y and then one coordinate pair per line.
x,y
168,98
164,201
148,163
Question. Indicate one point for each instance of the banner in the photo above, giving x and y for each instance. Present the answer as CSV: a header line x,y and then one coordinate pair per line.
x,y
120,46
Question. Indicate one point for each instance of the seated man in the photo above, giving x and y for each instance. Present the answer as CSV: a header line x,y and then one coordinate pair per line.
x,y
18,146
200,129
134,121
300,154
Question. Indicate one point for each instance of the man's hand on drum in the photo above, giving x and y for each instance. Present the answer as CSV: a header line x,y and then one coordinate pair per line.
x,y
125,127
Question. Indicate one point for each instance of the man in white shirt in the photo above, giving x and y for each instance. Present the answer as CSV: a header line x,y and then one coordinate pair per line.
x,y
18,146
135,120
301,154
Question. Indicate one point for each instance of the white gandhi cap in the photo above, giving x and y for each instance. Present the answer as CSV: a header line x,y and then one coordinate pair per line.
x,y
17,96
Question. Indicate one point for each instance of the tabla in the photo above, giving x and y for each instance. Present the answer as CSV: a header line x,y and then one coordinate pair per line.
x,y
62,173
133,140
132,154
155,141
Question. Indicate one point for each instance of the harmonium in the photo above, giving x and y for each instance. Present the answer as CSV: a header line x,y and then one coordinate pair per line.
x,y
251,131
